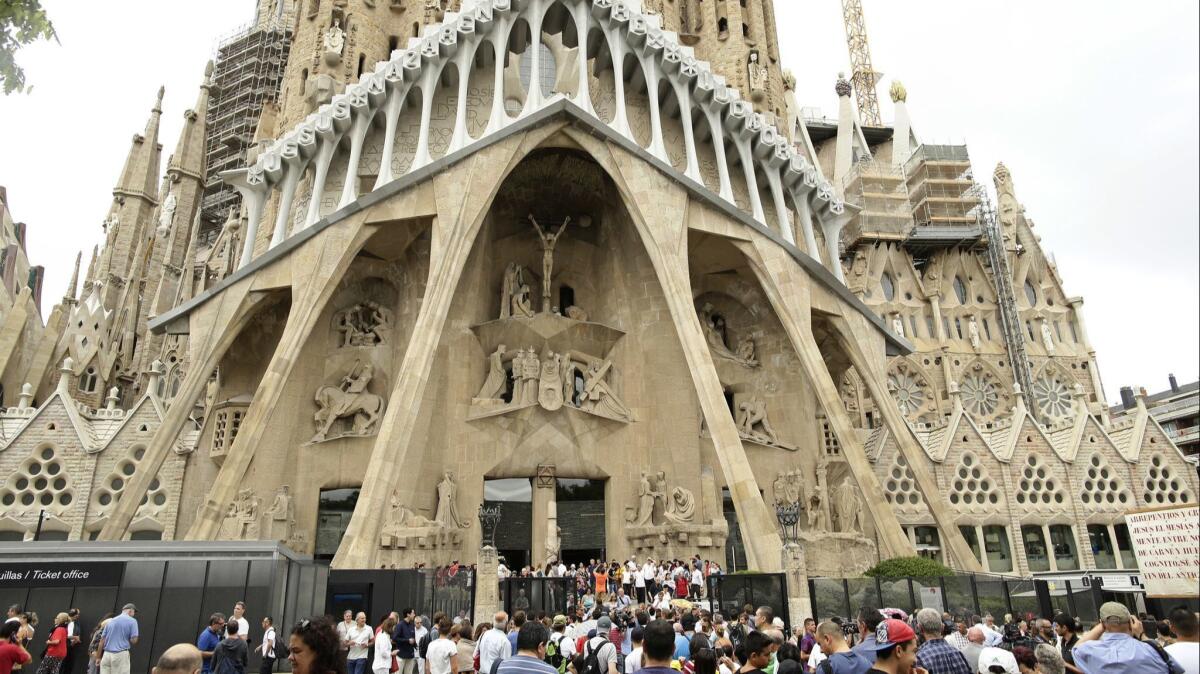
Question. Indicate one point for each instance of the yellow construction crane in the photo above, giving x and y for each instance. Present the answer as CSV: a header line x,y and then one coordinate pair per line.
x,y
864,78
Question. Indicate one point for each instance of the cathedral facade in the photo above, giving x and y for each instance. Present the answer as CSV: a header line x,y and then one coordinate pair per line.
x,y
581,267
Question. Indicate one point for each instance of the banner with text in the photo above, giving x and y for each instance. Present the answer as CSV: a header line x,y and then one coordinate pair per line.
x,y
1167,544
60,574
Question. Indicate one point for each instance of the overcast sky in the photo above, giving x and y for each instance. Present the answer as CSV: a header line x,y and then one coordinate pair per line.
x,y
1092,105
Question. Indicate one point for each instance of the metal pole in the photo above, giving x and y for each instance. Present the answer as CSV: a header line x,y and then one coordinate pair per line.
x,y
37,533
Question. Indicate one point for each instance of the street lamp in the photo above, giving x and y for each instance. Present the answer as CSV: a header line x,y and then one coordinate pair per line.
x,y
788,514
489,521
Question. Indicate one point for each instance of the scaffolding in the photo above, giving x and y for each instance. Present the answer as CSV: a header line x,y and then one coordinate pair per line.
x,y
941,187
880,191
247,73
1010,320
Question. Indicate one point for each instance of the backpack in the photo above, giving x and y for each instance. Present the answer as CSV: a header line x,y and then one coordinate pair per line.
x,y
591,659
554,656
423,646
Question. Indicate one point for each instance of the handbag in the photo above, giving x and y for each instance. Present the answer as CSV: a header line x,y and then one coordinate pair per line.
x,y
395,664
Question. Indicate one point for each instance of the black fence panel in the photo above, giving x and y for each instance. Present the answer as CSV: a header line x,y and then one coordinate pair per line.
x,y
534,596
378,591
728,594
960,595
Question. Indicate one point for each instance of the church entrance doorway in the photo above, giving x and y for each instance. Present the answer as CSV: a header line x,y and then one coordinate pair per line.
x,y
514,496
580,505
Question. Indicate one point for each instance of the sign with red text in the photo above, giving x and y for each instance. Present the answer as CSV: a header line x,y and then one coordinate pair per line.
x,y
1167,544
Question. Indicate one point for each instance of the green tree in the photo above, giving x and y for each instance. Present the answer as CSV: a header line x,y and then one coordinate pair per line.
x,y
909,567
21,22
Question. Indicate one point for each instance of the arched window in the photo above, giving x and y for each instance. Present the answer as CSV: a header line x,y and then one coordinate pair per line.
x,y
87,383
960,290
1030,293
889,286
548,69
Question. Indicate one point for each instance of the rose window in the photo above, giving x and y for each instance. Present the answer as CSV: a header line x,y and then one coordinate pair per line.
x,y
1054,398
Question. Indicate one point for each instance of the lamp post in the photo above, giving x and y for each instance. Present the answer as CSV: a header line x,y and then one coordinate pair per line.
x,y
788,514
489,521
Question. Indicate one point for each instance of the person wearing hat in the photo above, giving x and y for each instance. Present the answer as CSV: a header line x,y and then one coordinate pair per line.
x,y
895,649
1115,646
606,652
120,634
563,648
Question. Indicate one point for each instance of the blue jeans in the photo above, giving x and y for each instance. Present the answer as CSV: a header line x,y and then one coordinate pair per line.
x,y
356,666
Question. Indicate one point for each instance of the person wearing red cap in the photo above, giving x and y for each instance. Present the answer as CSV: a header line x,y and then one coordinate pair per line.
x,y
895,649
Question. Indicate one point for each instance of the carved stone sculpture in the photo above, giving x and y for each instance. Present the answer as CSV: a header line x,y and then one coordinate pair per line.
x,y
514,293
531,372
789,487
849,507
549,241
550,384
1047,338
350,399
333,41
753,423
715,334
241,518
497,379
281,515
973,333
364,324
575,313
745,351
402,523
757,76
681,508
656,507
598,397
166,214
898,325
553,533
447,507
816,511
644,514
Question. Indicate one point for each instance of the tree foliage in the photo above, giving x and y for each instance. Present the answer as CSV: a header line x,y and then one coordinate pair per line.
x,y
21,22
909,567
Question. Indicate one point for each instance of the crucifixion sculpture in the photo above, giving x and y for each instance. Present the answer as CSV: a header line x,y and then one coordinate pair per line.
x,y
548,243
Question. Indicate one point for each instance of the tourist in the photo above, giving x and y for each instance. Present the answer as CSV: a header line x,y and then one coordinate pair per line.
x,y
267,647
494,645
958,636
530,654
831,648
93,648
1049,661
869,619
697,584
420,627
658,645
179,659
313,648
936,655
996,660
27,620
1067,629
681,583
787,659
120,634
360,637
56,646
757,649
442,655
807,638
606,652
563,646
343,628
230,656
1114,646
12,654
74,641
210,638
518,621
466,647
600,578
633,661
385,653
895,648
1186,649
975,646
1026,661
994,635
405,642
239,616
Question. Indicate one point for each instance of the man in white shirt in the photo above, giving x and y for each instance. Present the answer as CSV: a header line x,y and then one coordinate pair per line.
x,y
268,647
343,629
494,644
991,636
239,612
697,583
633,661
1186,649
442,655
649,573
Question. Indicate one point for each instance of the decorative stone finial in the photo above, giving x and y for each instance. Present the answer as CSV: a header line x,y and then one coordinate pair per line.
x,y
842,87
114,396
789,81
1001,174
158,102
65,372
156,372
898,92
26,395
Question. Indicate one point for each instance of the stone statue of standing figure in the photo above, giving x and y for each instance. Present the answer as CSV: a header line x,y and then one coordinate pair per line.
x,y
849,508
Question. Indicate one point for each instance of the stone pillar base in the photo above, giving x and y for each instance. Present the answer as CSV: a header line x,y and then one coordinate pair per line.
x,y
796,572
487,587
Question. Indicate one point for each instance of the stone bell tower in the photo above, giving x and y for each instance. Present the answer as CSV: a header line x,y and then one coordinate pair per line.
x,y
738,37
335,41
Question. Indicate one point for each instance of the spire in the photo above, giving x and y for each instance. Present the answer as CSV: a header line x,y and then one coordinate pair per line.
x,y
139,177
188,158
844,147
902,145
69,298
92,268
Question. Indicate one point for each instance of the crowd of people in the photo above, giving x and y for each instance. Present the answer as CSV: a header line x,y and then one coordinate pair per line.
x,y
643,637
644,582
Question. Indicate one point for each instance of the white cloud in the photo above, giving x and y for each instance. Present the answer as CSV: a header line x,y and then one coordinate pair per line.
x,y
1093,106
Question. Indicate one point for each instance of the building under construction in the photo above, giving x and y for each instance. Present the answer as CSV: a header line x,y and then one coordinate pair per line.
x,y
246,76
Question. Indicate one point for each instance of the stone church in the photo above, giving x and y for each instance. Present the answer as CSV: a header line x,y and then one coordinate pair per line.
x,y
584,274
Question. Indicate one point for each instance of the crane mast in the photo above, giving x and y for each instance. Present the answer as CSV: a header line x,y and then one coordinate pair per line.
x,y
864,76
